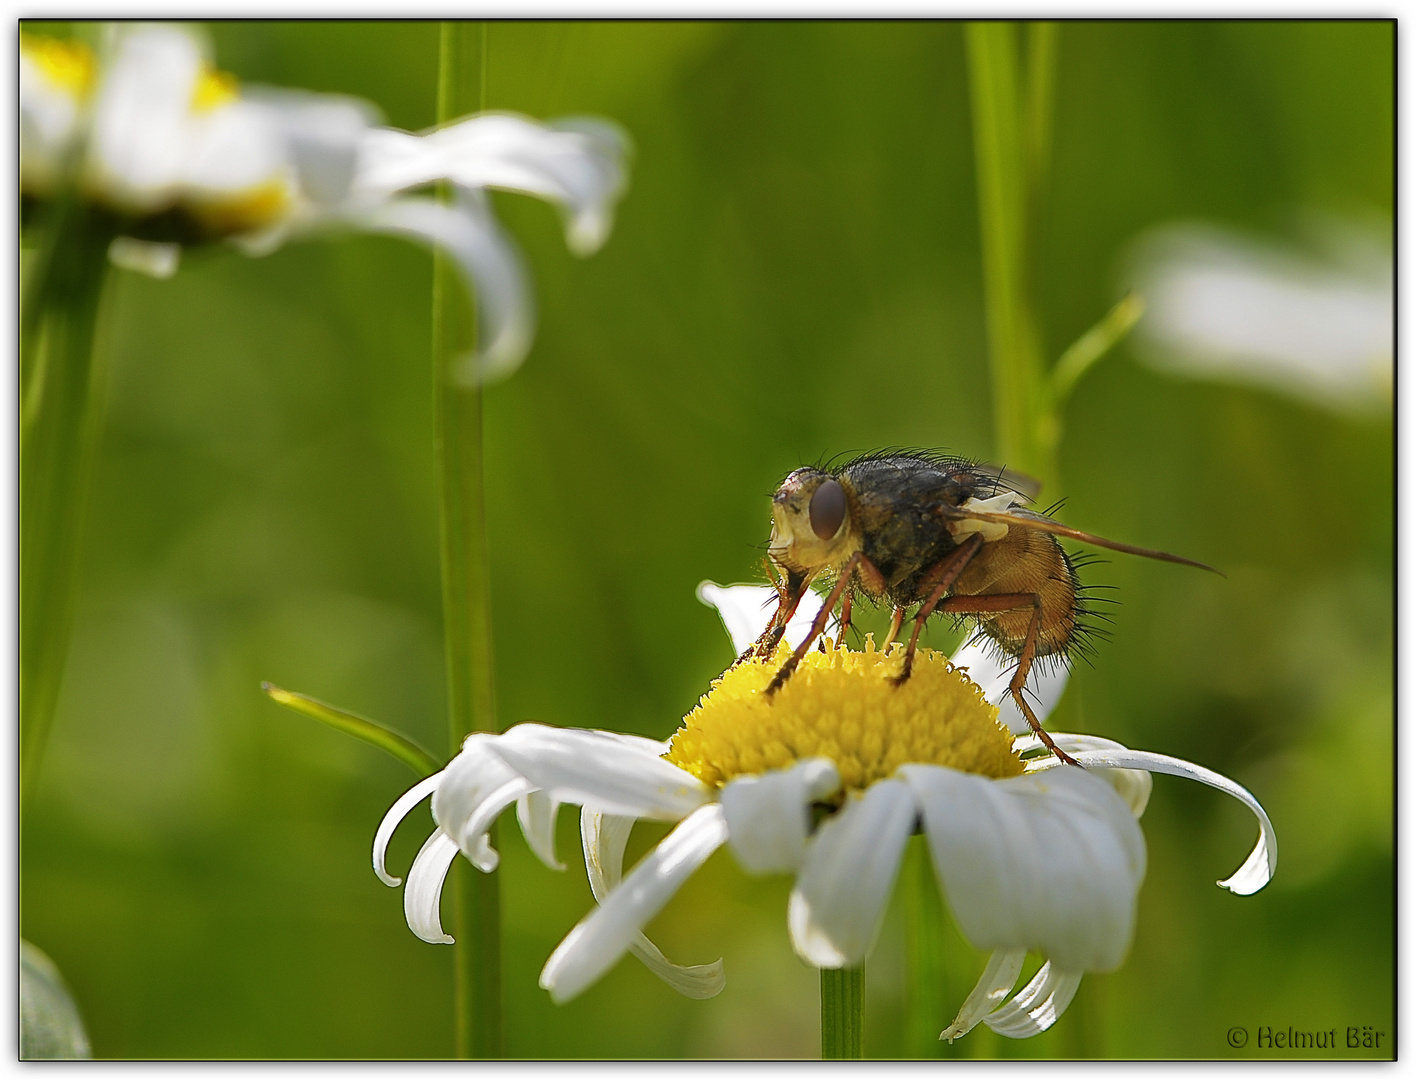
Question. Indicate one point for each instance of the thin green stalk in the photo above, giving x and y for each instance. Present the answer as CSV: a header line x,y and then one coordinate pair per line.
x,y
361,727
60,420
466,575
927,1008
843,1013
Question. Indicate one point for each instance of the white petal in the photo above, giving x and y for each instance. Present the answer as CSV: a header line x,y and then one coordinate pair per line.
x,y
851,864
603,936
993,672
1047,861
1133,785
1223,305
536,811
996,983
144,256
409,799
490,265
322,135
424,890
604,837
231,149
747,609
476,786
578,165
49,122
139,139
586,768
769,816
1259,867
1038,1005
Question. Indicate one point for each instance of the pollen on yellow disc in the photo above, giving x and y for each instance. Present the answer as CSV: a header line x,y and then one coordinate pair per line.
x,y
68,64
845,706
214,88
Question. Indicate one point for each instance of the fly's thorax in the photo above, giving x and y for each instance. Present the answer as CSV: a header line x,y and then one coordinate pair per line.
x,y
813,524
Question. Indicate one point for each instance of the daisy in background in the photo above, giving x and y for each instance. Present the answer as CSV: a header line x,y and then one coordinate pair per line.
x,y
171,152
827,780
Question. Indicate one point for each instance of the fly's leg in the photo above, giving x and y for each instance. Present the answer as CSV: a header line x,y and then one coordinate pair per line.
x,y
998,602
790,589
845,615
818,625
943,574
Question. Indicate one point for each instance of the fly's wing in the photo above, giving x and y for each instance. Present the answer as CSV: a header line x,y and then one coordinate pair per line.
x,y
1026,519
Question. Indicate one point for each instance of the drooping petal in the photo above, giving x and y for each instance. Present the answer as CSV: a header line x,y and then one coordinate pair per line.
x,y
603,936
1038,1005
470,235
157,260
477,785
140,126
849,873
769,816
1133,785
1259,867
999,977
322,135
993,672
397,812
577,164
604,837
536,811
1048,861
586,768
424,889
747,609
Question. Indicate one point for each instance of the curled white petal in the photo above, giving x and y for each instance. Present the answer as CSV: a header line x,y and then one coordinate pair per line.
x,y
156,260
850,869
999,977
993,672
747,609
477,785
1038,1005
1050,861
489,263
424,889
397,812
586,768
578,165
1133,785
769,816
604,837
603,936
536,811
1259,867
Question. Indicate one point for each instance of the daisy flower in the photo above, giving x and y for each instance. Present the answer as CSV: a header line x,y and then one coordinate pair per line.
x,y
827,780
168,151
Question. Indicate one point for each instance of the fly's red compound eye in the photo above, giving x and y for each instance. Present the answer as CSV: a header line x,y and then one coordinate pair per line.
x,y
828,509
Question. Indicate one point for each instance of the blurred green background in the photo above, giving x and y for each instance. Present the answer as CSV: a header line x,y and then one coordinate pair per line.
x,y
794,272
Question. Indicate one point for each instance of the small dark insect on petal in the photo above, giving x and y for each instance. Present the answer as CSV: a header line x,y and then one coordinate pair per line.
x,y
828,509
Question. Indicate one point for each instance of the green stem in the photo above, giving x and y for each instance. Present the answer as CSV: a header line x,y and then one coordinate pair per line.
x,y
843,1013
927,1009
60,421
1010,150
466,575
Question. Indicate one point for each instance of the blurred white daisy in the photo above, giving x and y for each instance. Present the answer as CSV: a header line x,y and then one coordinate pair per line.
x,y
827,780
1318,324
175,152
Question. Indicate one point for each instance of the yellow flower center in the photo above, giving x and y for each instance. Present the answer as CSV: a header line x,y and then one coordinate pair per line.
x,y
67,64
214,88
250,209
844,706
